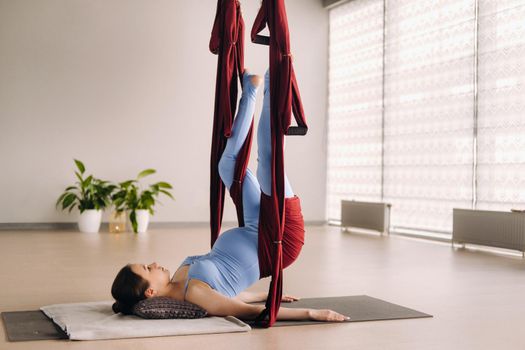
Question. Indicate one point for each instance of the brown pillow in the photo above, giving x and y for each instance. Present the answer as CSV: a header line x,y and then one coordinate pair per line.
x,y
165,307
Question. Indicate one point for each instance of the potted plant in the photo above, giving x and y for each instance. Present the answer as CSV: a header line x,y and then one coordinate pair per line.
x,y
90,195
139,203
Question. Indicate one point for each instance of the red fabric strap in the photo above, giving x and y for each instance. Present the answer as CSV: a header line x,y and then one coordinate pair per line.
x,y
293,235
227,41
285,99
281,230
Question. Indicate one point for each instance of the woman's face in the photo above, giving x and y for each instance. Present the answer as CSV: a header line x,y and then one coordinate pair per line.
x,y
157,276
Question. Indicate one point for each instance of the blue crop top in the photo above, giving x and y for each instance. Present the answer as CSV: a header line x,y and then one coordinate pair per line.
x,y
231,266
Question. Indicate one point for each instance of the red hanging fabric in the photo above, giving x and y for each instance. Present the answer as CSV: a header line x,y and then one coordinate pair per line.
x,y
281,224
284,98
227,41
293,234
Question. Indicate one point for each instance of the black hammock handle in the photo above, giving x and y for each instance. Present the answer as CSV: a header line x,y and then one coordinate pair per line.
x,y
262,40
297,131
292,130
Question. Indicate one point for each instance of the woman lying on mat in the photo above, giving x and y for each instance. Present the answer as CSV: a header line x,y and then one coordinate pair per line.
x,y
216,281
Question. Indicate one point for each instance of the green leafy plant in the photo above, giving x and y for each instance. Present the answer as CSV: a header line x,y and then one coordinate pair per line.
x,y
129,196
88,193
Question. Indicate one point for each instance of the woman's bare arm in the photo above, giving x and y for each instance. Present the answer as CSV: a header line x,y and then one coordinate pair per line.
x,y
251,297
217,304
254,297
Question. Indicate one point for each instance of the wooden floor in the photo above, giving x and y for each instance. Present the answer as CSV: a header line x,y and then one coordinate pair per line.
x,y
477,297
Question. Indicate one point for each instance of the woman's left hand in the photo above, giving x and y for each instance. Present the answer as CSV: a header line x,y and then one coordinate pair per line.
x,y
289,298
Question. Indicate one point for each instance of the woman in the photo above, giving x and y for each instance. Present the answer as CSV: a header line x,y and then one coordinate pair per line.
x,y
215,281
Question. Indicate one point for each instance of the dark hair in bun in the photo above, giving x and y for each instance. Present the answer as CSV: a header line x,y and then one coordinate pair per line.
x,y
123,308
128,289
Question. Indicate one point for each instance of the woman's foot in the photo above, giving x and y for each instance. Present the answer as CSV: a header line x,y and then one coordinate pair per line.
x,y
256,80
253,79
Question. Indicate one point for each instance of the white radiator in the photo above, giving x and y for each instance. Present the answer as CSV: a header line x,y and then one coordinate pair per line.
x,y
490,228
367,215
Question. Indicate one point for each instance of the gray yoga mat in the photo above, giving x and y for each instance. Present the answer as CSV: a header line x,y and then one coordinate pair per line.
x,y
359,308
30,325
34,325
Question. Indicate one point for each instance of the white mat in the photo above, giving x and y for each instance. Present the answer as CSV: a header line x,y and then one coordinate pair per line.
x,y
96,320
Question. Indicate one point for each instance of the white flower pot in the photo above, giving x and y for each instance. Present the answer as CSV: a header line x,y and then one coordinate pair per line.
x,y
142,216
89,221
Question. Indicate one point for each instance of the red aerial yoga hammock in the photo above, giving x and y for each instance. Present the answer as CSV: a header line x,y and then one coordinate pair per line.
x,y
281,226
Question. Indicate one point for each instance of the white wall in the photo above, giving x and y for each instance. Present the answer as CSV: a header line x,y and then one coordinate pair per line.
x,y
125,85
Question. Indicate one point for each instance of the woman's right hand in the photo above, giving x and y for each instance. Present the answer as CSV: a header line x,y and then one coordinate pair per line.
x,y
326,315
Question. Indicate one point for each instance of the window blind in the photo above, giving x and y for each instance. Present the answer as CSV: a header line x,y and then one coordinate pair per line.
x,y
451,133
501,105
429,74
354,104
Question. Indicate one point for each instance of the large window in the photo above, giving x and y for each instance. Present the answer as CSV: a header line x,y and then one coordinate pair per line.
x,y
429,55
355,103
426,107
501,105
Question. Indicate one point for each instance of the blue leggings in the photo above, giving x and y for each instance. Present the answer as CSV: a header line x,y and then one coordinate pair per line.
x,y
252,186
233,263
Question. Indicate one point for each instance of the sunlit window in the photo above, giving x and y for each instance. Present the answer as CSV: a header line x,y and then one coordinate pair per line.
x,y
501,105
427,107
355,103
